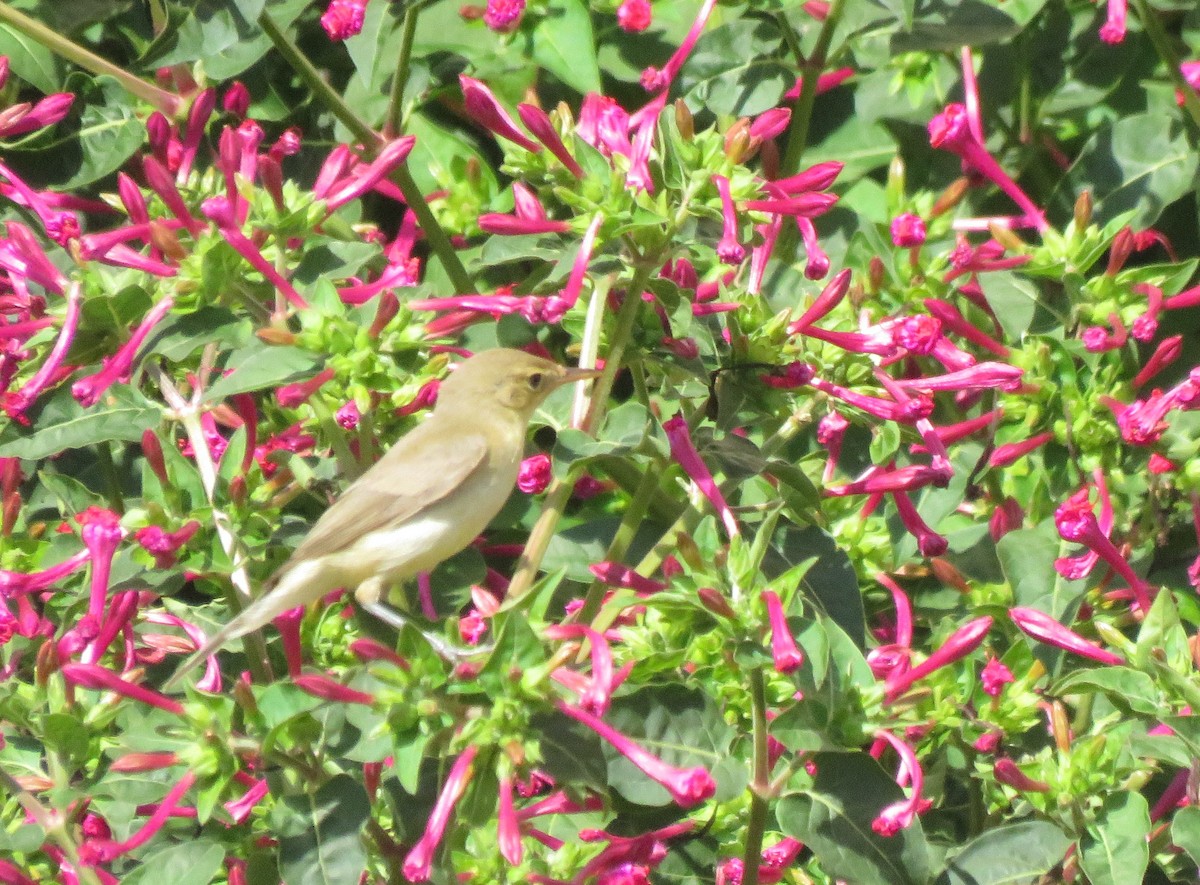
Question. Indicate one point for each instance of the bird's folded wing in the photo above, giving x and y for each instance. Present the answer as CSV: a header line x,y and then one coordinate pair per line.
x,y
420,470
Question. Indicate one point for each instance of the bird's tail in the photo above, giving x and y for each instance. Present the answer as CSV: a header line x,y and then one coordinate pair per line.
x,y
270,605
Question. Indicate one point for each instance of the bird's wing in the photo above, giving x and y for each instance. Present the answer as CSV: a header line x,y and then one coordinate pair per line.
x,y
420,470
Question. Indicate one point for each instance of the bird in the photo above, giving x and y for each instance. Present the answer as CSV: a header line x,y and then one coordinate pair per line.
x,y
433,492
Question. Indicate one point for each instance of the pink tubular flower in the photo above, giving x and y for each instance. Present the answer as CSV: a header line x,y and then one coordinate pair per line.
x,y
808,205
786,653
951,318
343,18
503,16
951,130
484,108
367,177
684,452
835,290
1007,773
510,225
101,679
239,809
164,546
929,542
1076,522
994,677
534,474
218,209
117,367
981,376
654,79
687,786
419,862
901,479
102,534
958,645
616,575
729,250
289,396
1168,350
1113,29
816,261
1045,629
596,693
538,122
831,431
105,851
1006,454
908,230
509,829
634,16
895,817
16,404
13,584
323,687
825,82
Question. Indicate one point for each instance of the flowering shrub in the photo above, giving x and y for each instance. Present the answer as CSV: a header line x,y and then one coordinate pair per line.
x,y
870,557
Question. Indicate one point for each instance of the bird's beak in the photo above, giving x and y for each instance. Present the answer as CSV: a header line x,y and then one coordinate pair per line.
x,y
572,374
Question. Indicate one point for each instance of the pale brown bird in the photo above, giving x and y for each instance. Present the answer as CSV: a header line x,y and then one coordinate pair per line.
x,y
434,491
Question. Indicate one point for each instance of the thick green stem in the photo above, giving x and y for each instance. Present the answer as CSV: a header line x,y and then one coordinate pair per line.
x,y
438,241
166,102
560,490
1168,56
635,513
395,112
797,139
759,779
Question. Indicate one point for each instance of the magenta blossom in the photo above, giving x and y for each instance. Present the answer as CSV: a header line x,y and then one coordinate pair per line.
x,y
484,108
687,786
1076,522
343,18
1045,629
994,676
683,451
729,250
908,230
958,645
654,79
503,16
634,16
535,474
786,653
419,862
895,817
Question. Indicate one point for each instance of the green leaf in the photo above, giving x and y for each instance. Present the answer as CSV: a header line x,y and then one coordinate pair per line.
x,y
830,583
563,44
1114,849
1185,831
1162,630
322,840
1015,854
1027,560
29,60
1127,688
571,752
259,365
833,817
122,414
1142,162
181,335
109,130
189,863
1013,298
954,25
734,69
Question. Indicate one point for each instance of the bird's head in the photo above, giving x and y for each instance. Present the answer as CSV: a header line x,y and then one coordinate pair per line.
x,y
508,379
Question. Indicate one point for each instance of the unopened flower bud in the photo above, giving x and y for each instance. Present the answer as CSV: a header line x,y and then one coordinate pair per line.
x,y
684,121
1083,212
1120,250
950,197
1006,238
737,141
715,601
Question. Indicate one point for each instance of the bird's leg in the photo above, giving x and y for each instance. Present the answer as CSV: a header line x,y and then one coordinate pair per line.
x,y
370,596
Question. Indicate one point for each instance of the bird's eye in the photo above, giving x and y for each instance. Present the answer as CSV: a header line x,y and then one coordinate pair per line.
x,y
536,379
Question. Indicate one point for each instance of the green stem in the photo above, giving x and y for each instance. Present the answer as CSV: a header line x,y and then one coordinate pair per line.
x,y
759,786
312,78
797,138
560,490
438,241
395,112
166,102
1166,52
112,480
635,514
